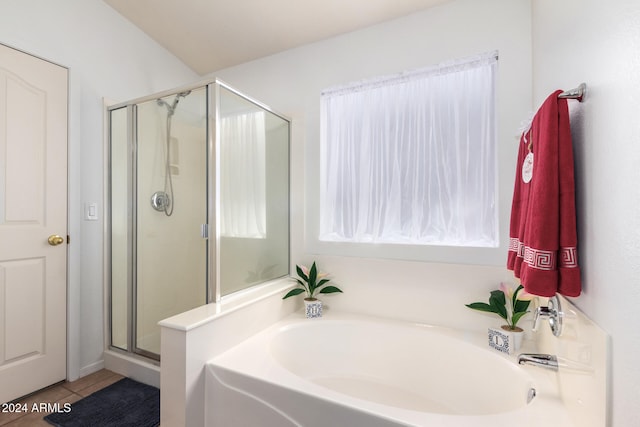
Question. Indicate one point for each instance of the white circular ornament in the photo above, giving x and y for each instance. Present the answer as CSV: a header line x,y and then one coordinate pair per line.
x,y
527,168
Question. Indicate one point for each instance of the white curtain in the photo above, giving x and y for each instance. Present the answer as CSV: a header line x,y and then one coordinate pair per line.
x,y
242,175
411,158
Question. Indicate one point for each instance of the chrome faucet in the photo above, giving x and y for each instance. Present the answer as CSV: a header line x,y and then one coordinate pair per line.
x,y
546,361
553,312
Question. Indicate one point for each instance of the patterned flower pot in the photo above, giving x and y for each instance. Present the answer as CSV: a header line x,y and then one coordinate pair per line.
x,y
312,308
506,340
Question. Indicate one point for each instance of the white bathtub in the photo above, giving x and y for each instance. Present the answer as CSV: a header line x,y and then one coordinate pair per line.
x,y
347,370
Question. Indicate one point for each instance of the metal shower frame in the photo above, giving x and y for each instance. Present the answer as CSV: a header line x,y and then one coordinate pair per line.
x,y
210,231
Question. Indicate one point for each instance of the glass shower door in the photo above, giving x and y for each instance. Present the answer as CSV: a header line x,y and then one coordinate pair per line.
x,y
204,161
171,207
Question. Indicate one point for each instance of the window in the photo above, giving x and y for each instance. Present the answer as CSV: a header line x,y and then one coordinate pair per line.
x,y
411,158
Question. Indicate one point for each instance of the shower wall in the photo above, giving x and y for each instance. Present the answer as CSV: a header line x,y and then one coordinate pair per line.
x,y
171,253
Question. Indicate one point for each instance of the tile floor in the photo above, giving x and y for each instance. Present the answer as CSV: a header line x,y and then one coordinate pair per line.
x,y
67,392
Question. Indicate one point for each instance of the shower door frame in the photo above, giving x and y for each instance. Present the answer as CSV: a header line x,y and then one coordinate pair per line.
x,y
210,230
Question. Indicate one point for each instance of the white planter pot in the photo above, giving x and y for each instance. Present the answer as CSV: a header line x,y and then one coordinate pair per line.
x,y
313,308
517,336
505,340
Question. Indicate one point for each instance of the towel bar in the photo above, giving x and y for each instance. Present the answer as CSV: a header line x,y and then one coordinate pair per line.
x,y
576,93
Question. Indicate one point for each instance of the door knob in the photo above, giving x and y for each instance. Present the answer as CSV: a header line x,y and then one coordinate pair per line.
x,y
55,240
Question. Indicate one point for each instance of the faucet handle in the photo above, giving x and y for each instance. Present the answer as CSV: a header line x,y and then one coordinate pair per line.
x,y
540,312
553,312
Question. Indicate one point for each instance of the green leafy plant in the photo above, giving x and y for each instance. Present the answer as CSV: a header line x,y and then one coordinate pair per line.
x,y
507,304
310,282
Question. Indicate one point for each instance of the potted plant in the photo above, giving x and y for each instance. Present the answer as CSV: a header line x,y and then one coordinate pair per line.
x,y
510,305
311,282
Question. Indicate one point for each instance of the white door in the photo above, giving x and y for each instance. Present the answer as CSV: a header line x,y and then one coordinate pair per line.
x,y
33,207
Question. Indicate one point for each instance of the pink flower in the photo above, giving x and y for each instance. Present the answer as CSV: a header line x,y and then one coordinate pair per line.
x,y
507,289
319,275
305,270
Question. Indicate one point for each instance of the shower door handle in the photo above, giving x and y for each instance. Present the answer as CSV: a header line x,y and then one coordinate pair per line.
x,y
204,231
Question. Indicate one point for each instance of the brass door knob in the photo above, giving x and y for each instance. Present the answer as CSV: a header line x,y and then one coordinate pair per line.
x,y
55,240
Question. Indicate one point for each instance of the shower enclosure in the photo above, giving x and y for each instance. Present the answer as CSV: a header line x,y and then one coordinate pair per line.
x,y
199,205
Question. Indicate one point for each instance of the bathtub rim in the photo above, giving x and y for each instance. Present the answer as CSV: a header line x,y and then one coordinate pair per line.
x,y
547,399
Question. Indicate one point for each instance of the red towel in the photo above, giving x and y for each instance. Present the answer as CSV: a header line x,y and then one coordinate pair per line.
x,y
543,239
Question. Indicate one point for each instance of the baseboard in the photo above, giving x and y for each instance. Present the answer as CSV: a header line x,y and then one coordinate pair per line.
x,y
90,369
132,367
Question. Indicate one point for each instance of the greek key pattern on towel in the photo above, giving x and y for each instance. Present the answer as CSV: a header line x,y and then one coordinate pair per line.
x,y
516,246
544,260
569,257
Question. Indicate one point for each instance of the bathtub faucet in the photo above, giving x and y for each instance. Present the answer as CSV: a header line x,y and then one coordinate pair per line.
x,y
546,361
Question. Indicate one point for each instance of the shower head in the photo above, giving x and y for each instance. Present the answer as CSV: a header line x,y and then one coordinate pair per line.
x,y
172,108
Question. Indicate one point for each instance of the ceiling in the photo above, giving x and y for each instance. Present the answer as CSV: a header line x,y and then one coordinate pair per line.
x,y
209,35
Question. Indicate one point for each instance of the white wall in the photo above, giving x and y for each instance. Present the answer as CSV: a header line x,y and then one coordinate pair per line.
x,y
107,57
599,43
291,83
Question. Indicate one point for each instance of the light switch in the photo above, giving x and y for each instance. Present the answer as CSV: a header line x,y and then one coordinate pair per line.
x,y
91,211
